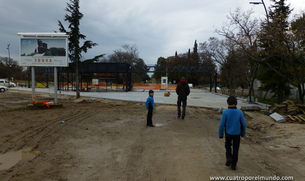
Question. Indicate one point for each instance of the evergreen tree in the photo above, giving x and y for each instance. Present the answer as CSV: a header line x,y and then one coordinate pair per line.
x,y
273,83
195,55
189,57
298,36
276,56
298,29
280,13
195,49
75,50
160,68
195,61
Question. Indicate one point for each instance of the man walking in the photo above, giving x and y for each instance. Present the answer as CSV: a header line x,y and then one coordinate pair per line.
x,y
182,90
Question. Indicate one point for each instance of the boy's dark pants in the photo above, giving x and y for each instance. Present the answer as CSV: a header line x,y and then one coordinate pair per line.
x,y
149,117
228,144
183,107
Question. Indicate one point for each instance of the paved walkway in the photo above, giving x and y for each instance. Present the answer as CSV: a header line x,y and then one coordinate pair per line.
x,y
197,97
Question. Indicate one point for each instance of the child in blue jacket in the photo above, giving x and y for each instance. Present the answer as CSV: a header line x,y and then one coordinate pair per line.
x,y
234,125
150,106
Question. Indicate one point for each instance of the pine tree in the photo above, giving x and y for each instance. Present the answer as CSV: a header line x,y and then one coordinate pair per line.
x,y
273,39
280,14
160,68
195,49
75,50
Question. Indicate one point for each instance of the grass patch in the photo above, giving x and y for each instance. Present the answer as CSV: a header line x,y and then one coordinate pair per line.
x,y
18,109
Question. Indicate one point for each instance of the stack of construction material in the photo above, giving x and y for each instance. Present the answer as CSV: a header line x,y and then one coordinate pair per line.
x,y
291,111
288,107
295,119
292,107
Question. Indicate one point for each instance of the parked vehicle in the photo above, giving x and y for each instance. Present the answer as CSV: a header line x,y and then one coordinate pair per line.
x,y
3,88
12,84
7,83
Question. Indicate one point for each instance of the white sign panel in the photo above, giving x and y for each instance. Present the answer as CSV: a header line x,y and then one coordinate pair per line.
x,y
44,52
95,81
164,81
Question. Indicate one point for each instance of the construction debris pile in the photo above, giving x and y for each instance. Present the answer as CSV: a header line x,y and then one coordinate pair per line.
x,y
290,110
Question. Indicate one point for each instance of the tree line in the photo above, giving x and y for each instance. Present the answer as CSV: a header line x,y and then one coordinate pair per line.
x,y
189,59
10,68
271,50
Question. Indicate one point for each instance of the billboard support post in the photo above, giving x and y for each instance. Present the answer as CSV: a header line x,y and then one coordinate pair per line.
x,y
55,85
33,84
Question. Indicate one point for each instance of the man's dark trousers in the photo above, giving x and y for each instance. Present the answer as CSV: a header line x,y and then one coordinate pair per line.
x,y
228,144
183,107
149,116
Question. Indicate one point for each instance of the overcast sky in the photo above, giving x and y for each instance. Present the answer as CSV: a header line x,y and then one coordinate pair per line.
x,y
156,27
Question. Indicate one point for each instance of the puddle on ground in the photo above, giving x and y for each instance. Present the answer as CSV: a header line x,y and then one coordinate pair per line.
x,y
10,159
158,125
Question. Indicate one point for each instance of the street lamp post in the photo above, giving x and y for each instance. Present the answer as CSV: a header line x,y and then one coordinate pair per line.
x,y
9,61
257,66
9,58
256,3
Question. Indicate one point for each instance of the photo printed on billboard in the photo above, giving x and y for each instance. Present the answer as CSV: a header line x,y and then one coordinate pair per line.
x,y
44,52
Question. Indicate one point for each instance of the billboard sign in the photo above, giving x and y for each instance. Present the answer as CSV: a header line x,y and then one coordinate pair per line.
x,y
43,51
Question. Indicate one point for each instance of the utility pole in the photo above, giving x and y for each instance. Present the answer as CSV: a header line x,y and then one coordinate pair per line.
x,y
9,61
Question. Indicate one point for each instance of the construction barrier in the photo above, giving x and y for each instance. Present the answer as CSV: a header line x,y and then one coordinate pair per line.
x,y
120,86
154,86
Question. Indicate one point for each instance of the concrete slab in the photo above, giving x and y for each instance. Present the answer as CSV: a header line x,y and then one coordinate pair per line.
x,y
197,97
277,117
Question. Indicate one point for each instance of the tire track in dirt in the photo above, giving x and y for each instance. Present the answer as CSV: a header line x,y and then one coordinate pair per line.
x,y
54,132
34,134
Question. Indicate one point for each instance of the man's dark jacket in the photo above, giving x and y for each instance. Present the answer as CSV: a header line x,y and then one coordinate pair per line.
x,y
183,90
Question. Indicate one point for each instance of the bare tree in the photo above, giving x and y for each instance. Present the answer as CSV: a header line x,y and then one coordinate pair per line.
x,y
229,58
243,31
129,54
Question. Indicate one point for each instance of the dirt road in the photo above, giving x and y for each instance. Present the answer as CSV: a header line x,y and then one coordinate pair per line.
x,y
108,140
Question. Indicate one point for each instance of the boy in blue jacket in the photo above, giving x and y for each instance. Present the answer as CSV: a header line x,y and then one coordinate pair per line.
x,y
234,125
150,106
